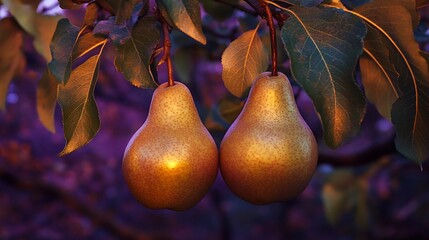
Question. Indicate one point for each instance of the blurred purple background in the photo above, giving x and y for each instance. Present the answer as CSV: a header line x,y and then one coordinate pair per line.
x,y
363,190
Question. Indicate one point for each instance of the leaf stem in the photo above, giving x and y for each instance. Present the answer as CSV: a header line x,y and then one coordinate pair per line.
x,y
167,48
270,21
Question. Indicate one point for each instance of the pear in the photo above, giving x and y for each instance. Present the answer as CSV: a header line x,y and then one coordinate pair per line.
x,y
269,153
172,160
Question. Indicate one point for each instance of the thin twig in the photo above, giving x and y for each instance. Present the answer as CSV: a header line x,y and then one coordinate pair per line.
x,y
364,156
167,48
269,18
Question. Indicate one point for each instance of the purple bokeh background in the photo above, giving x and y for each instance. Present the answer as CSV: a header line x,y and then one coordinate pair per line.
x,y
84,196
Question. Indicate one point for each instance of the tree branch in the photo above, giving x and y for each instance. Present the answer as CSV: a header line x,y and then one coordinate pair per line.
x,y
361,157
97,217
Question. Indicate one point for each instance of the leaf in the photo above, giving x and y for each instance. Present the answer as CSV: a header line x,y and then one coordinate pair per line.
x,y
335,3
68,44
229,109
324,45
41,27
47,90
334,203
133,57
186,17
80,112
242,61
118,33
85,44
219,11
379,76
183,63
63,42
362,210
91,14
410,113
125,9
33,3
337,193
122,9
11,55
68,4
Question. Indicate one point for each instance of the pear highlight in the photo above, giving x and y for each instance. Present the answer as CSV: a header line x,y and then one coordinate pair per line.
x,y
172,160
269,153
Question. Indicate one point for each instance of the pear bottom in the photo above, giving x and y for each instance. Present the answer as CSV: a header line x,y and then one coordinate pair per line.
x,y
262,173
174,173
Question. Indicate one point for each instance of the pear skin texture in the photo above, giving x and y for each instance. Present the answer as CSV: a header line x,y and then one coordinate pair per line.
x,y
172,160
269,153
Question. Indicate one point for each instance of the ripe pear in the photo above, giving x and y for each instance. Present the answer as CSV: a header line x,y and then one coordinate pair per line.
x,y
269,153
172,160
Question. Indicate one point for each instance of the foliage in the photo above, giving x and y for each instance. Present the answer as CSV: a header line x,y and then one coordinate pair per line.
x,y
324,42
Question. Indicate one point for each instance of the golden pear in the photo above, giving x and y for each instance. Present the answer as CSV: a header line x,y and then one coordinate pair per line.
x,y
172,160
269,154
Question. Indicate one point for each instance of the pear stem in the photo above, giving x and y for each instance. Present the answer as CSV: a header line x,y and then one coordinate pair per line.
x,y
167,48
270,21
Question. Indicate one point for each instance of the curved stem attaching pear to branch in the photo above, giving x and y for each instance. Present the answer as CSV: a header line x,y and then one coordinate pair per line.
x,y
167,47
270,21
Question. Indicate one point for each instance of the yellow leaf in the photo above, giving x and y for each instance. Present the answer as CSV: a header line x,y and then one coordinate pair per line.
x,y
242,61
41,27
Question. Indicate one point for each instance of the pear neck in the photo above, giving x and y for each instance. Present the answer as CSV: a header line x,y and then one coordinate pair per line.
x,y
173,105
272,99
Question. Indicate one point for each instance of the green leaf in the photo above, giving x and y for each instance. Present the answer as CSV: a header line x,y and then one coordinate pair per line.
x,y
47,90
11,56
63,42
68,44
219,11
125,9
133,57
410,113
337,194
85,44
118,33
186,17
379,76
122,9
80,112
41,27
229,109
324,45
242,61
183,62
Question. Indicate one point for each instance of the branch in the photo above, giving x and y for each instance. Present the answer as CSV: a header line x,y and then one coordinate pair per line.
x,y
364,156
97,217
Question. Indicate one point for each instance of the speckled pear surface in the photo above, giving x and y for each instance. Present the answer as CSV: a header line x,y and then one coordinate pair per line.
x,y
172,160
269,154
